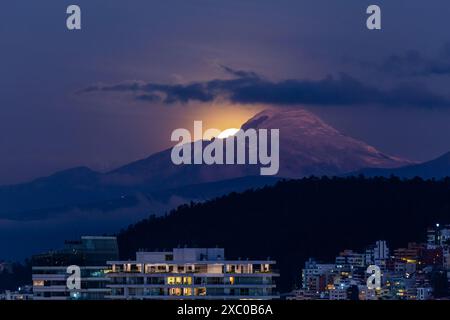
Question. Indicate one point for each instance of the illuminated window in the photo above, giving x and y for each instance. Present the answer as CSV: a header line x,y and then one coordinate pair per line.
x,y
187,280
175,291
187,291
200,291
38,283
175,280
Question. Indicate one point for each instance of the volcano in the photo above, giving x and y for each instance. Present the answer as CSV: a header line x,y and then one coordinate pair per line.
x,y
308,146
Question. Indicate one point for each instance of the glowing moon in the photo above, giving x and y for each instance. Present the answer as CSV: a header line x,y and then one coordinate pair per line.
x,y
227,133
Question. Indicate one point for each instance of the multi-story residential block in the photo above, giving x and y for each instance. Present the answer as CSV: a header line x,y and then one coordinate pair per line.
x,y
433,257
412,254
22,293
446,258
350,259
90,254
365,293
400,286
191,273
338,294
316,276
405,267
350,265
438,236
424,293
303,294
418,272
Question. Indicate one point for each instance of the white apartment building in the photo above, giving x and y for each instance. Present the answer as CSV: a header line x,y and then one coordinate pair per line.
x,y
191,273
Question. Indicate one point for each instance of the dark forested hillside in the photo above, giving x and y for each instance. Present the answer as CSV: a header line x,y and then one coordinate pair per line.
x,y
296,219
19,275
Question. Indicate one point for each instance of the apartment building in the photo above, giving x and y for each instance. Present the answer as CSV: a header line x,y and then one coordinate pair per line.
x,y
191,273
49,270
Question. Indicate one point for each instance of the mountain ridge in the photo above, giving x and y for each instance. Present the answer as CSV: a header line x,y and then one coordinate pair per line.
x,y
437,168
308,146
79,200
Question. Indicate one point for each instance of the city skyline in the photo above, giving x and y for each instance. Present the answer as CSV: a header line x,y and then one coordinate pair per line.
x,y
406,273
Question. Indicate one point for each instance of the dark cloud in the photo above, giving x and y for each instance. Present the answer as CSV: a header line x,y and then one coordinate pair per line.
x,y
240,73
413,63
247,87
134,86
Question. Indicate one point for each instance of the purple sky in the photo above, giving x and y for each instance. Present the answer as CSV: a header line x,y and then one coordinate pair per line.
x,y
394,94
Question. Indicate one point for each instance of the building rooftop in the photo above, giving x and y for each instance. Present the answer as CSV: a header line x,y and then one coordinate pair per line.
x,y
187,255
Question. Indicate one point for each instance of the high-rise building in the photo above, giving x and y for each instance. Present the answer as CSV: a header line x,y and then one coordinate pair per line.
x,y
381,253
378,254
89,254
191,273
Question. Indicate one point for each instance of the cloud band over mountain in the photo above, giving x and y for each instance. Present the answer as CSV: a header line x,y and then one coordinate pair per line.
x,y
246,87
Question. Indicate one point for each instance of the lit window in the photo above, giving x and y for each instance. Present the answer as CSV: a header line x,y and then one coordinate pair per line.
x,y
175,291
187,280
38,283
187,291
175,280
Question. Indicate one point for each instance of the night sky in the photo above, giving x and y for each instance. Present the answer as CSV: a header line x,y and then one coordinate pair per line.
x,y
93,97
